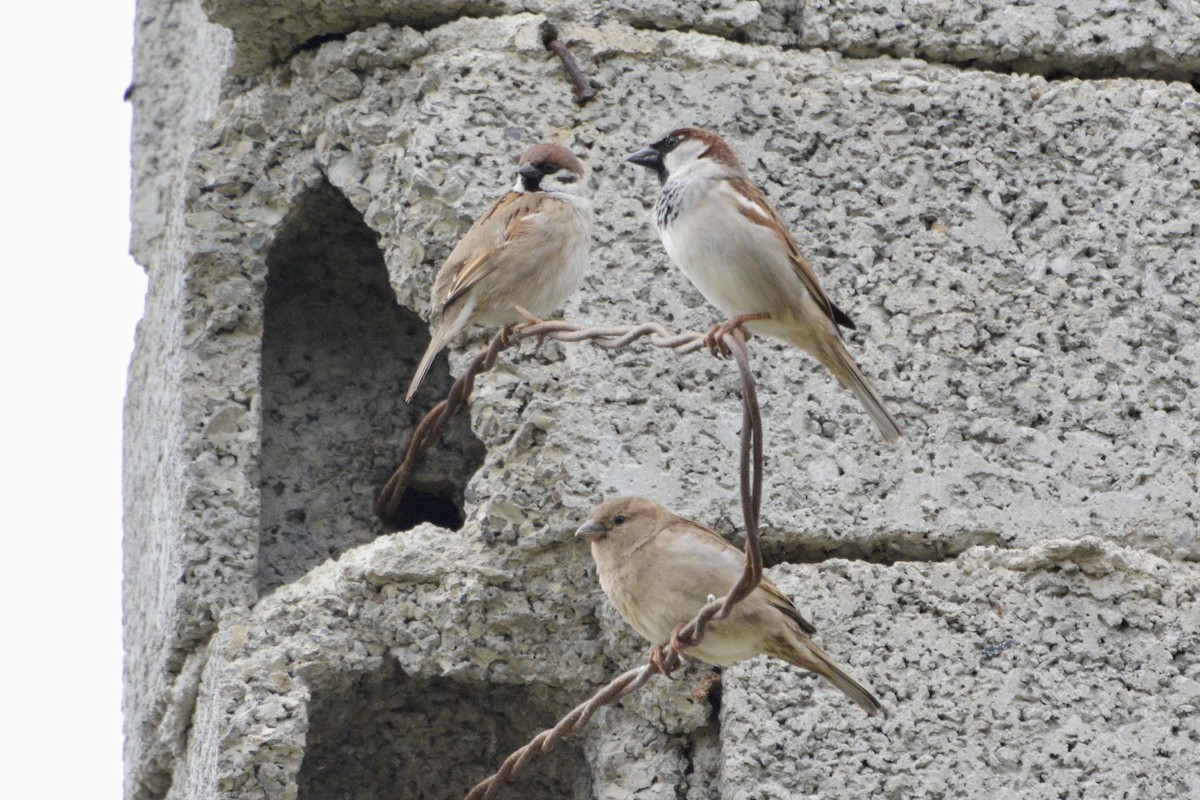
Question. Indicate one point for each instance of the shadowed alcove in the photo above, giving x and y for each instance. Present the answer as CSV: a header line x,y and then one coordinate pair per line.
x,y
386,736
337,353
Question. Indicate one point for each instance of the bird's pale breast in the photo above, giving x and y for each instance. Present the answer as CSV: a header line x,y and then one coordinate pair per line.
x,y
736,264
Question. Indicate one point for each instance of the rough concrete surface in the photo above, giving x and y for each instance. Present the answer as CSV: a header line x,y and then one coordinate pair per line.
x,y
1087,38
165,628
1017,580
1068,673
270,32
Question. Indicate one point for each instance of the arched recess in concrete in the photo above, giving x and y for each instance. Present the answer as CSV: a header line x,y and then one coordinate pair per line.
x,y
386,736
337,353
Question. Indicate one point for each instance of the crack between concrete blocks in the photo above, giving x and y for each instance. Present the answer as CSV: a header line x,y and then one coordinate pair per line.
x,y
708,735
422,25
689,768
1092,554
884,550
172,725
1054,71
1057,74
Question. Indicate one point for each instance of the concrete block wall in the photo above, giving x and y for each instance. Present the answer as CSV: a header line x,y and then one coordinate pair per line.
x,y
1013,225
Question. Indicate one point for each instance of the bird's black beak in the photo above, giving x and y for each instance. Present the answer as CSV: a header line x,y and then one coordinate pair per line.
x,y
590,530
647,157
651,159
531,177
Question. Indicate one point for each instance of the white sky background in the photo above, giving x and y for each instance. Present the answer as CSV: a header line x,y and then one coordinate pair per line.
x,y
69,301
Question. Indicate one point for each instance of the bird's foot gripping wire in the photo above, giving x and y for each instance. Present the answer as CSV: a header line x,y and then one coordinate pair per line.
x,y
530,322
658,655
713,340
507,338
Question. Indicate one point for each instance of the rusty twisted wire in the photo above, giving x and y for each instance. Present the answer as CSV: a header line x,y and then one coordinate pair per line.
x,y
663,659
387,505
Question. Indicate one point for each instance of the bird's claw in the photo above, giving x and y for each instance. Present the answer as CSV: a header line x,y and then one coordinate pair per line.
x,y
530,321
658,654
506,335
714,340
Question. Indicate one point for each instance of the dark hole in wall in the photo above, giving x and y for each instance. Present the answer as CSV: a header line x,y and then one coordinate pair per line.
x,y
417,506
798,548
389,737
337,354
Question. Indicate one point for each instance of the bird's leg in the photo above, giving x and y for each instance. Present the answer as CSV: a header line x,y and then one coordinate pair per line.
x,y
657,655
713,342
506,335
530,321
712,339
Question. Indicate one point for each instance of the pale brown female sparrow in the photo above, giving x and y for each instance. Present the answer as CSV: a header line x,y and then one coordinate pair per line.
x,y
728,239
659,570
526,253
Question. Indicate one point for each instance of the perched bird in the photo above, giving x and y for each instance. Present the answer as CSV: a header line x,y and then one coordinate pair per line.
x,y
526,253
728,239
659,569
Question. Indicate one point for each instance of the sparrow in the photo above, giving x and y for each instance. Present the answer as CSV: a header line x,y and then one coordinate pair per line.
x,y
523,258
727,238
659,570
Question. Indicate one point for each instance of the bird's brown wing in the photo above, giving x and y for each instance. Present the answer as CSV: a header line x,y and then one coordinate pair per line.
x,y
481,249
780,601
755,207
721,549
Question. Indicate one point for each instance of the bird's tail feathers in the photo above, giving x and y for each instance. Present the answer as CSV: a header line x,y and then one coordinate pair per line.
x,y
842,364
802,652
436,344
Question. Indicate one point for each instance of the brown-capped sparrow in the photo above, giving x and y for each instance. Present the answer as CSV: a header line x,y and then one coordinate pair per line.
x,y
728,239
525,254
659,570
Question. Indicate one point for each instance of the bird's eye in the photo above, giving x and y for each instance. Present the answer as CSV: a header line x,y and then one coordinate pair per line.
x,y
668,144
619,518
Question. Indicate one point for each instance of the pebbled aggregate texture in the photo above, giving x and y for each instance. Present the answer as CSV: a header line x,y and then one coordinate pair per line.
x,y
1017,580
